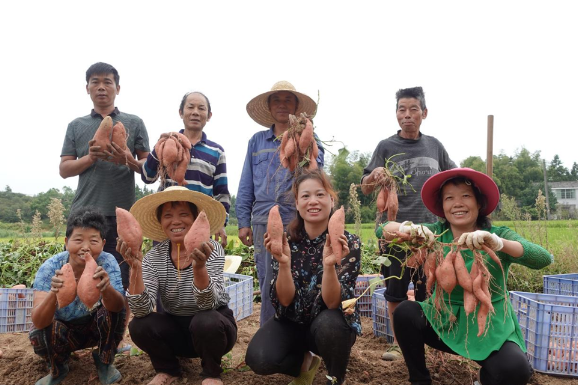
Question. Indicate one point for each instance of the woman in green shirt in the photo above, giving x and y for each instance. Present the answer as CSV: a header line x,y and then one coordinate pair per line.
x,y
463,198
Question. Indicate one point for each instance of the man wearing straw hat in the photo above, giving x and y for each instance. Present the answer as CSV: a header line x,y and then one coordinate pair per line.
x,y
264,183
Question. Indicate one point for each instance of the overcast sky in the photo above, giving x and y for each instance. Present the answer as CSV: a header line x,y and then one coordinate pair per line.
x,y
513,59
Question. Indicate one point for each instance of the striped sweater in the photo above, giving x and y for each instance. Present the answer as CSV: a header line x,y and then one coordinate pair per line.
x,y
206,172
179,296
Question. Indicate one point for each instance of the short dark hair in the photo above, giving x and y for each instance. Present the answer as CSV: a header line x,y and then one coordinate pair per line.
x,y
192,207
87,218
415,93
102,69
482,221
182,106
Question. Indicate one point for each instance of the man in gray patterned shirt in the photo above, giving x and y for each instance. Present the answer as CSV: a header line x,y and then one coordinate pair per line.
x,y
106,175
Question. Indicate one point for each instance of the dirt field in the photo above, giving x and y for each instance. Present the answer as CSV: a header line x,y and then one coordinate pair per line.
x,y
19,365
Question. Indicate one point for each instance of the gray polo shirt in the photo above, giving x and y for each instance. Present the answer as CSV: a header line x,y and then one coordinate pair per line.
x,y
104,185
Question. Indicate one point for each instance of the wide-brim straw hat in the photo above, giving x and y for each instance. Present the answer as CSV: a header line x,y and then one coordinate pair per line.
x,y
431,189
145,210
258,108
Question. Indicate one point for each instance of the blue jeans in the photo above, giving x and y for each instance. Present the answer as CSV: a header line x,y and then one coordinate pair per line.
x,y
263,261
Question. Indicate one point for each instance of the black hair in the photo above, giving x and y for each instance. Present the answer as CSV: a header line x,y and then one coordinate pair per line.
x,y
483,222
182,106
192,207
415,93
87,218
296,99
102,69
297,225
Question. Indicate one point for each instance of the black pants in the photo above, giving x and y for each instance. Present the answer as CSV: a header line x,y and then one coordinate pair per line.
x,y
279,345
396,289
209,334
507,366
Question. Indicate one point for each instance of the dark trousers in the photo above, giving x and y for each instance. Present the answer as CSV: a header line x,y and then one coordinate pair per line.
x,y
209,334
279,345
507,366
55,342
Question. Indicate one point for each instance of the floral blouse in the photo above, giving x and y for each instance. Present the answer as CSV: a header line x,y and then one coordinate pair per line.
x,y
307,272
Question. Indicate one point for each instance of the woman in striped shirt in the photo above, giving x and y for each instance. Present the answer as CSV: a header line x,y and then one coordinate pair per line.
x,y
196,321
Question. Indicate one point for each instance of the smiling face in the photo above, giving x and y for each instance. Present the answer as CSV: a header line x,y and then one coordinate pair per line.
x,y
176,219
281,104
409,117
195,112
82,240
102,90
313,202
460,206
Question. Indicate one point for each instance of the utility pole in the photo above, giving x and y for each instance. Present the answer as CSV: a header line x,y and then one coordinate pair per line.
x,y
546,193
490,147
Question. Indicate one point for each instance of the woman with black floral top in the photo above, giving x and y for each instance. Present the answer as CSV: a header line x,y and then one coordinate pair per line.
x,y
307,289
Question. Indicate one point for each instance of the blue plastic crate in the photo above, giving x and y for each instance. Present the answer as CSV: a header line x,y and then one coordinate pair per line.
x,y
562,284
364,302
550,327
15,310
381,323
240,289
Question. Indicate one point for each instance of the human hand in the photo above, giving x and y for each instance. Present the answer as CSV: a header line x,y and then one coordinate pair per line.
x,y
329,257
476,239
201,255
96,152
246,236
222,236
56,283
285,257
419,234
378,176
101,274
117,155
132,259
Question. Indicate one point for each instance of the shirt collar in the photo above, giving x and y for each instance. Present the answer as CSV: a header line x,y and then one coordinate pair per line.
x,y
203,135
271,132
114,113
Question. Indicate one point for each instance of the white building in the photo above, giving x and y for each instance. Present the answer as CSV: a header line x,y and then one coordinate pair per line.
x,y
567,195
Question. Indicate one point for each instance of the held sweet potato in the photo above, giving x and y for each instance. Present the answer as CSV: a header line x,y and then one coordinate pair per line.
x,y
392,205
103,133
119,135
128,229
170,153
275,230
382,199
67,293
462,273
199,233
86,289
446,273
336,228
306,137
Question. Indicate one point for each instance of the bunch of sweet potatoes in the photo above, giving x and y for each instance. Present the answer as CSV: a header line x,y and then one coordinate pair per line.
x,y
107,133
298,147
387,197
173,154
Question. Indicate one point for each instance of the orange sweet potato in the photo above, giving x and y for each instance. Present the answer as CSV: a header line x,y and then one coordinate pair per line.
x,y
67,293
103,133
446,273
306,137
392,205
382,197
336,228
170,152
128,229
275,230
199,233
312,163
119,135
462,273
315,149
86,289
178,174
289,147
470,302
482,314
185,142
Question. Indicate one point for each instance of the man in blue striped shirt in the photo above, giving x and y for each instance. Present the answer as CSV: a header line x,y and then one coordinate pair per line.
x,y
207,169
264,183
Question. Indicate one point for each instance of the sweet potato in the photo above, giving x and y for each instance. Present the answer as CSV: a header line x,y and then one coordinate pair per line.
x,y
67,293
430,271
462,273
392,205
170,153
470,302
185,142
199,232
86,289
382,199
479,292
446,273
336,228
314,149
416,259
178,175
119,135
103,133
129,230
306,137
482,315
312,163
275,230
289,147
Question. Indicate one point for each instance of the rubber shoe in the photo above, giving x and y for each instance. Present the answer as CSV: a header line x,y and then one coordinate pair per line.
x,y
107,373
306,378
48,380
392,354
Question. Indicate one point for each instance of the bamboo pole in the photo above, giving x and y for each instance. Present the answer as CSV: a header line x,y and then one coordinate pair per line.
x,y
490,147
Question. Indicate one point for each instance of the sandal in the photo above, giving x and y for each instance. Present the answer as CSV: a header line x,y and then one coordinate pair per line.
x,y
163,379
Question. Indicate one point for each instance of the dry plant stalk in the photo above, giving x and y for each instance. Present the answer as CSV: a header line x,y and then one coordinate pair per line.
x,y
56,215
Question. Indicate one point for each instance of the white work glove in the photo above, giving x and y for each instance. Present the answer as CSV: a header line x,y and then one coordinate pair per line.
x,y
476,239
407,227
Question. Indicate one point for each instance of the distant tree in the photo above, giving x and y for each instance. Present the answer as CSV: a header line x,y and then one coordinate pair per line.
x,y
41,201
8,189
475,163
232,212
574,171
557,172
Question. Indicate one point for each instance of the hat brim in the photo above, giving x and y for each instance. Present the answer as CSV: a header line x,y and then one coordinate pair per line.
x,y
431,189
232,263
258,108
145,210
